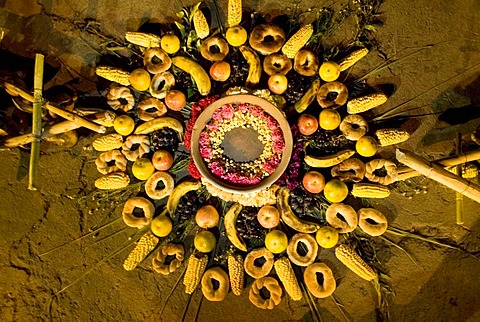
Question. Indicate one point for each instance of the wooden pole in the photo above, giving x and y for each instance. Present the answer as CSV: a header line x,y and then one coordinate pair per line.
x,y
458,195
36,122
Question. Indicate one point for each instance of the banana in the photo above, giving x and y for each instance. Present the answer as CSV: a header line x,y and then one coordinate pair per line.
x,y
289,217
254,66
160,123
329,160
308,97
178,192
230,222
197,72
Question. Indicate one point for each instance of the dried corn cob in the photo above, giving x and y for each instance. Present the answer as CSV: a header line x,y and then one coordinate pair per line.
x,y
108,142
351,59
112,181
469,170
145,246
143,39
287,276
201,25
370,190
297,41
236,273
113,74
391,136
234,12
354,262
365,103
195,269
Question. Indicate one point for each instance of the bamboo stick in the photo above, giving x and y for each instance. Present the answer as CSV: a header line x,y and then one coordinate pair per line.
x,y
437,173
36,121
458,195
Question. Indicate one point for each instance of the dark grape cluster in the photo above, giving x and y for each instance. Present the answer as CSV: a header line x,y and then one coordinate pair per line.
x,y
249,228
297,86
328,142
239,70
302,202
188,206
183,81
164,139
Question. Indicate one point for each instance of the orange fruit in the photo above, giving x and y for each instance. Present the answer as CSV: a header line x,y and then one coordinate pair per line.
x,y
307,124
124,125
329,71
236,36
327,237
205,241
142,168
161,226
329,119
207,217
170,44
268,217
277,84
140,79
276,241
366,146
335,190
313,181
220,71
175,100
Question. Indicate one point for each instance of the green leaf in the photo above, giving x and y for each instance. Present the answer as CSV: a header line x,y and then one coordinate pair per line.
x,y
370,27
181,28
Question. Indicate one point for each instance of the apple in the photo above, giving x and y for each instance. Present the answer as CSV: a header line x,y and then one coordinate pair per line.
x,y
268,217
162,160
313,182
207,217
307,124
220,71
277,83
175,100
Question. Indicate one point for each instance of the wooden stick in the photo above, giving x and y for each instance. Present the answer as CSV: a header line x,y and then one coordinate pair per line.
x,y
437,173
458,195
36,121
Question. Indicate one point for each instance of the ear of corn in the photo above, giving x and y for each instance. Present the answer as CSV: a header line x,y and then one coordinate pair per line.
x,y
391,136
469,170
365,103
234,12
351,59
200,24
287,276
354,262
297,41
370,190
236,273
145,246
113,181
143,39
113,74
193,275
108,142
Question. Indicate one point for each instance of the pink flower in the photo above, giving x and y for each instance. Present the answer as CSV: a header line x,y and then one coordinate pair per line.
x,y
204,138
206,152
212,127
243,107
256,111
277,134
227,111
217,116
278,146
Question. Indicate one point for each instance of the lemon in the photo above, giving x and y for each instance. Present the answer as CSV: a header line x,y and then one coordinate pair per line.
x,y
327,237
170,44
329,119
276,241
329,71
205,241
140,79
142,169
236,36
335,191
124,125
366,146
161,226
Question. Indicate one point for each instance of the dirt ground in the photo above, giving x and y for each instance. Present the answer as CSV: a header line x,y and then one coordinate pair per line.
x,y
435,284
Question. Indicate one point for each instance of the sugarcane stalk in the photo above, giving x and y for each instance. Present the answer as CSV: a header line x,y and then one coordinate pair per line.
x,y
459,196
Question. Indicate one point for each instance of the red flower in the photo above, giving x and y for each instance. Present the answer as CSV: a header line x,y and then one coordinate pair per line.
x,y
192,169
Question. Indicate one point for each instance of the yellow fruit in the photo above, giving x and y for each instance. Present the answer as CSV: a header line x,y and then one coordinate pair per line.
x,y
329,71
142,169
366,146
140,79
329,119
205,241
236,36
327,237
162,226
170,44
335,190
276,241
124,125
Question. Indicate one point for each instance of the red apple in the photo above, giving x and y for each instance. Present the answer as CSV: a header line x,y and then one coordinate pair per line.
x,y
313,182
277,83
268,217
307,124
162,160
220,71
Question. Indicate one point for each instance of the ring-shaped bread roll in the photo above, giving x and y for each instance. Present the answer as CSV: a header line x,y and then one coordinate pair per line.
x,y
310,278
350,217
158,262
306,63
160,67
353,127
311,246
372,221
273,288
114,155
376,164
168,81
145,106
151,185
350,170
214,48
332,87
131,219
277,63
117,93
252,269
210,293
267,38
143,148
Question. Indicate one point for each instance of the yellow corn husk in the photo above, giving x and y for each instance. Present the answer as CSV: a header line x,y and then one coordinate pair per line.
x,y
143,39
354,262
391,136
469,170
370,190
113,181
145,246
108,142
200,24
351,59
114,74
195,269
365,103
234,12
297,41
287,276
236,273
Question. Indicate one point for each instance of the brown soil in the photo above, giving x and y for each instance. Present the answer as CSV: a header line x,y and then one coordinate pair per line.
x,y
436,284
